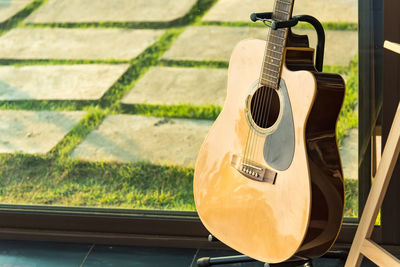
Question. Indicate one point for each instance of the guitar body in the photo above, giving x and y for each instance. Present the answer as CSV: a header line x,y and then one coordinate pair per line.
x,y
299,211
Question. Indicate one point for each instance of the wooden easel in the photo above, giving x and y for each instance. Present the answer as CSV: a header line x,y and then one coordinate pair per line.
x,y
362,244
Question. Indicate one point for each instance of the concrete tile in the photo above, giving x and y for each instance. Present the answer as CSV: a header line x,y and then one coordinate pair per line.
x,y
210,42
349,154
172,86
340,46
240,10
129,138
58,82
60,43
9,8
34,131
217,43
110,10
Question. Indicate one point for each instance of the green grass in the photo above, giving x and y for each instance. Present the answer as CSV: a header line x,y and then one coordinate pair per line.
x,y
17,19
57,179
29,62
150,57
348,117
92,119
332,26
194,64
209,112
351,198
60,105
26,179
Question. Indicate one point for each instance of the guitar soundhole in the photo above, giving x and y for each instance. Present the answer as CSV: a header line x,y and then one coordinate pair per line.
x,y
265,107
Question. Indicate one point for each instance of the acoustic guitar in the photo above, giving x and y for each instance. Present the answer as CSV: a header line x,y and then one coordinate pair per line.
x,y
268,180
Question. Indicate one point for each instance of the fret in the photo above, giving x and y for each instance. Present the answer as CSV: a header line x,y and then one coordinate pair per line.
x,y
280,37
270,71
269,75
276,58
276,41
266,74
274,46
272,80
284,2
277,51
277,36
273,60
282,12
282,6
277,66
268,82
269,57
274,51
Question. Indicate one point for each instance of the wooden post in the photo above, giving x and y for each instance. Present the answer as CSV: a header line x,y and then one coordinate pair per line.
x,y
362,245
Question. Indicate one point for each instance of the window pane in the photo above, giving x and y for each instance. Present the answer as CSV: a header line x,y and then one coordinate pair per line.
x,y
106,103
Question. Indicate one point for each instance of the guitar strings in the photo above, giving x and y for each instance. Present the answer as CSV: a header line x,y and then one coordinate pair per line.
x,y
258,104
266,89
251,133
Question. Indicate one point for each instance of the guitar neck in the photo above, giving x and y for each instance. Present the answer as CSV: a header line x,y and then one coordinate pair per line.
x,y
276,42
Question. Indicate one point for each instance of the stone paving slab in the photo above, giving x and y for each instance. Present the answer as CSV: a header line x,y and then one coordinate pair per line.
x,y
59,82
9,8
323,10
217,42
34,132
59,11
130,138
59,43
172,86
340,46
349,154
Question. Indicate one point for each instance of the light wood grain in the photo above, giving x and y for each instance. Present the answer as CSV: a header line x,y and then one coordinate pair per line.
x,y
376,195
378,254
392,46
265,221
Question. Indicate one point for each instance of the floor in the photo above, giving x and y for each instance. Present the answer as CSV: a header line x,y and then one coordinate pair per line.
x,y
46,254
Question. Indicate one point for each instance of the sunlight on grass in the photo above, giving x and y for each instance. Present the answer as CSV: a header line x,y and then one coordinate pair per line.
x,y
57,179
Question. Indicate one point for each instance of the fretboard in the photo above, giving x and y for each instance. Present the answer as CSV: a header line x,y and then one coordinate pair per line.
x,y
276,42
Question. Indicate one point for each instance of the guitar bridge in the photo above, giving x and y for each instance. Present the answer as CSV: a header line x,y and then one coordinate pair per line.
x,y
252,170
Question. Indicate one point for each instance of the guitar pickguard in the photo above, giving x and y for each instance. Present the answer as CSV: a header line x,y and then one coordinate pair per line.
x,y
279,145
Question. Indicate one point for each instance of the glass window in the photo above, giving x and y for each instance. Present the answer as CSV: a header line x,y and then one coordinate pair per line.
x,y
107,103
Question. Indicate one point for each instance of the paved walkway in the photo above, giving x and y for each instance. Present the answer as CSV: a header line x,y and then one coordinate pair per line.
x,y
110,10
60,43
50,70
323,10
9,8
34,132
194,86
217,43
130,138
58,82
